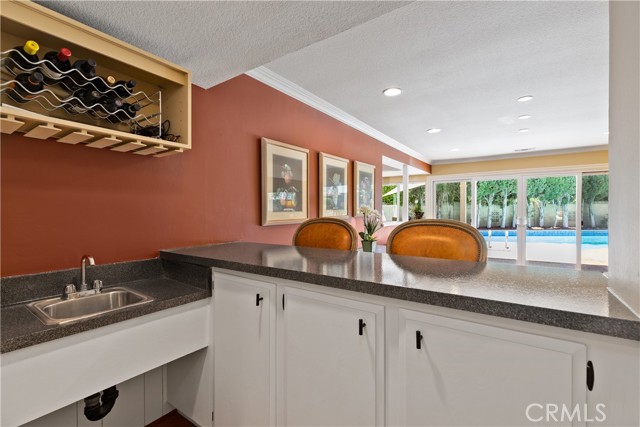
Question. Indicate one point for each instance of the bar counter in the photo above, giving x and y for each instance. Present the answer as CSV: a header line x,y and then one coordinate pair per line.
x,y
577,300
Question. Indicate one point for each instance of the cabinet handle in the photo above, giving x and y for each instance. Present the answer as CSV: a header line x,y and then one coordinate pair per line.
x,y
258,299
361,326
418,340
591,375
282,302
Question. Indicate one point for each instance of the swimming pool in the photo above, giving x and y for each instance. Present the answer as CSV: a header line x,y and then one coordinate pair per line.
x,y
589,237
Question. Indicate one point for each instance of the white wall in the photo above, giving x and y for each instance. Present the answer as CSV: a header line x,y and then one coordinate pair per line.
x,y
624,151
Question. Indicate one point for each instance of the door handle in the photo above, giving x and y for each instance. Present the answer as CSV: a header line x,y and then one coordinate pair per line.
x,y
361,326
258,299
418,340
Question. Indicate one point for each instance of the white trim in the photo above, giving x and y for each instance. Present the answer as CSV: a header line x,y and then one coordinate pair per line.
x,y
579,202
509,174
524,154
276,81
614,293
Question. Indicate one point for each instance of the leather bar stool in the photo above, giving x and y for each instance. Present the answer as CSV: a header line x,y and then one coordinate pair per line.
x,y
329,233
438,238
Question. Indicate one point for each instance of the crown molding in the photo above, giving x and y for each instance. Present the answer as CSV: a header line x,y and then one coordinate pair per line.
x,y
276,81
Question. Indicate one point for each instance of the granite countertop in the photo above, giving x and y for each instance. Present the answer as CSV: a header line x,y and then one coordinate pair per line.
x,y
578,300
21,328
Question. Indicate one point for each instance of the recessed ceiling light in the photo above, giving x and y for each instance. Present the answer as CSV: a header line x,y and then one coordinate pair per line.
x,y
524,117
434,130
455,149
525,98
392,91
525,130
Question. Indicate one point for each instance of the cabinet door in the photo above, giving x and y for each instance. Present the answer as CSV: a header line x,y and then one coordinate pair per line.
x,y
330,361
471,374
244,337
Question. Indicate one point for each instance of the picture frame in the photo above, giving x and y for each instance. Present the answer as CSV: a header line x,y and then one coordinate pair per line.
x,y
334,185
364,179
285,183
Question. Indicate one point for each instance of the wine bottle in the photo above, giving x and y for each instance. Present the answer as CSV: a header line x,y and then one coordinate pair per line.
x,y
80,75
127,112
107,106
124,88
82,100
104,84
23,58
26,84
55,65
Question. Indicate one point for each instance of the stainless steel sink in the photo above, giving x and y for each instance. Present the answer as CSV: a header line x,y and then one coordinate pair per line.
x,y
55,311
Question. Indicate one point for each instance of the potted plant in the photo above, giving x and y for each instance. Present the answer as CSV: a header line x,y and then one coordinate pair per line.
x,y
417,210
372,222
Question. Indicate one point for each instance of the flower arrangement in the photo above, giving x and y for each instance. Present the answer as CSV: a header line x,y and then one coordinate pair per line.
x,y
372,222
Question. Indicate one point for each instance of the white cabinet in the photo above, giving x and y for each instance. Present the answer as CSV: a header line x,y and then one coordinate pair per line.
x,y
330,361
453,372
329,356
244,331
298,358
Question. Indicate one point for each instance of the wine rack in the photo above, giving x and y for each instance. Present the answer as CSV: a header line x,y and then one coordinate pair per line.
x,y
162,125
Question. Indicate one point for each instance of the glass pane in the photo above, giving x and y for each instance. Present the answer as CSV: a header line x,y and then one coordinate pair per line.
x,y
551,220
496,213
448,200
391,202
595,221
469,202
416,201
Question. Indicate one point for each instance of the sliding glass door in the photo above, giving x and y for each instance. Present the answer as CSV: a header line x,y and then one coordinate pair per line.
x,y
496,215
549,219
594,239
453,201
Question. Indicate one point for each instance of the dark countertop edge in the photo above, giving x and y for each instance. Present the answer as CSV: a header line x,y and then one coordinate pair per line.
x,y
619,328
50,334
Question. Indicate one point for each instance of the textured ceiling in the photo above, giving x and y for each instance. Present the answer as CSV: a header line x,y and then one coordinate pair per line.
x,y
461,64
218,40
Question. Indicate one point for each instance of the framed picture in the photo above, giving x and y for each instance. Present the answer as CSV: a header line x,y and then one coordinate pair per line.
x,y
334,188
364,179
285,183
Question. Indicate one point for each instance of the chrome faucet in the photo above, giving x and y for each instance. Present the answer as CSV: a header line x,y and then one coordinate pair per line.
x,y
83,274
70,290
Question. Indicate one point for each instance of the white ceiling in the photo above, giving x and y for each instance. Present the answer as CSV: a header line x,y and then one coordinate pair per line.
x,y
461,64
218,40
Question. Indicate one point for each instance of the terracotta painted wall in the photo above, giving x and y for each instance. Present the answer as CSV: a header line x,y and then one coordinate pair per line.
x,y
60,202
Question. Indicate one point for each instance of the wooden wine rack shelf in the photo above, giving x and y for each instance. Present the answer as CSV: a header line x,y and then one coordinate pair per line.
x,y
24,20
37,126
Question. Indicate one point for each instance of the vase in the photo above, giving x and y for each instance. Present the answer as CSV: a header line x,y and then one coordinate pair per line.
x,y
368,245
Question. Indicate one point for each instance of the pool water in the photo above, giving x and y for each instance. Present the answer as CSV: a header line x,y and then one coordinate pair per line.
x,y
589,237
